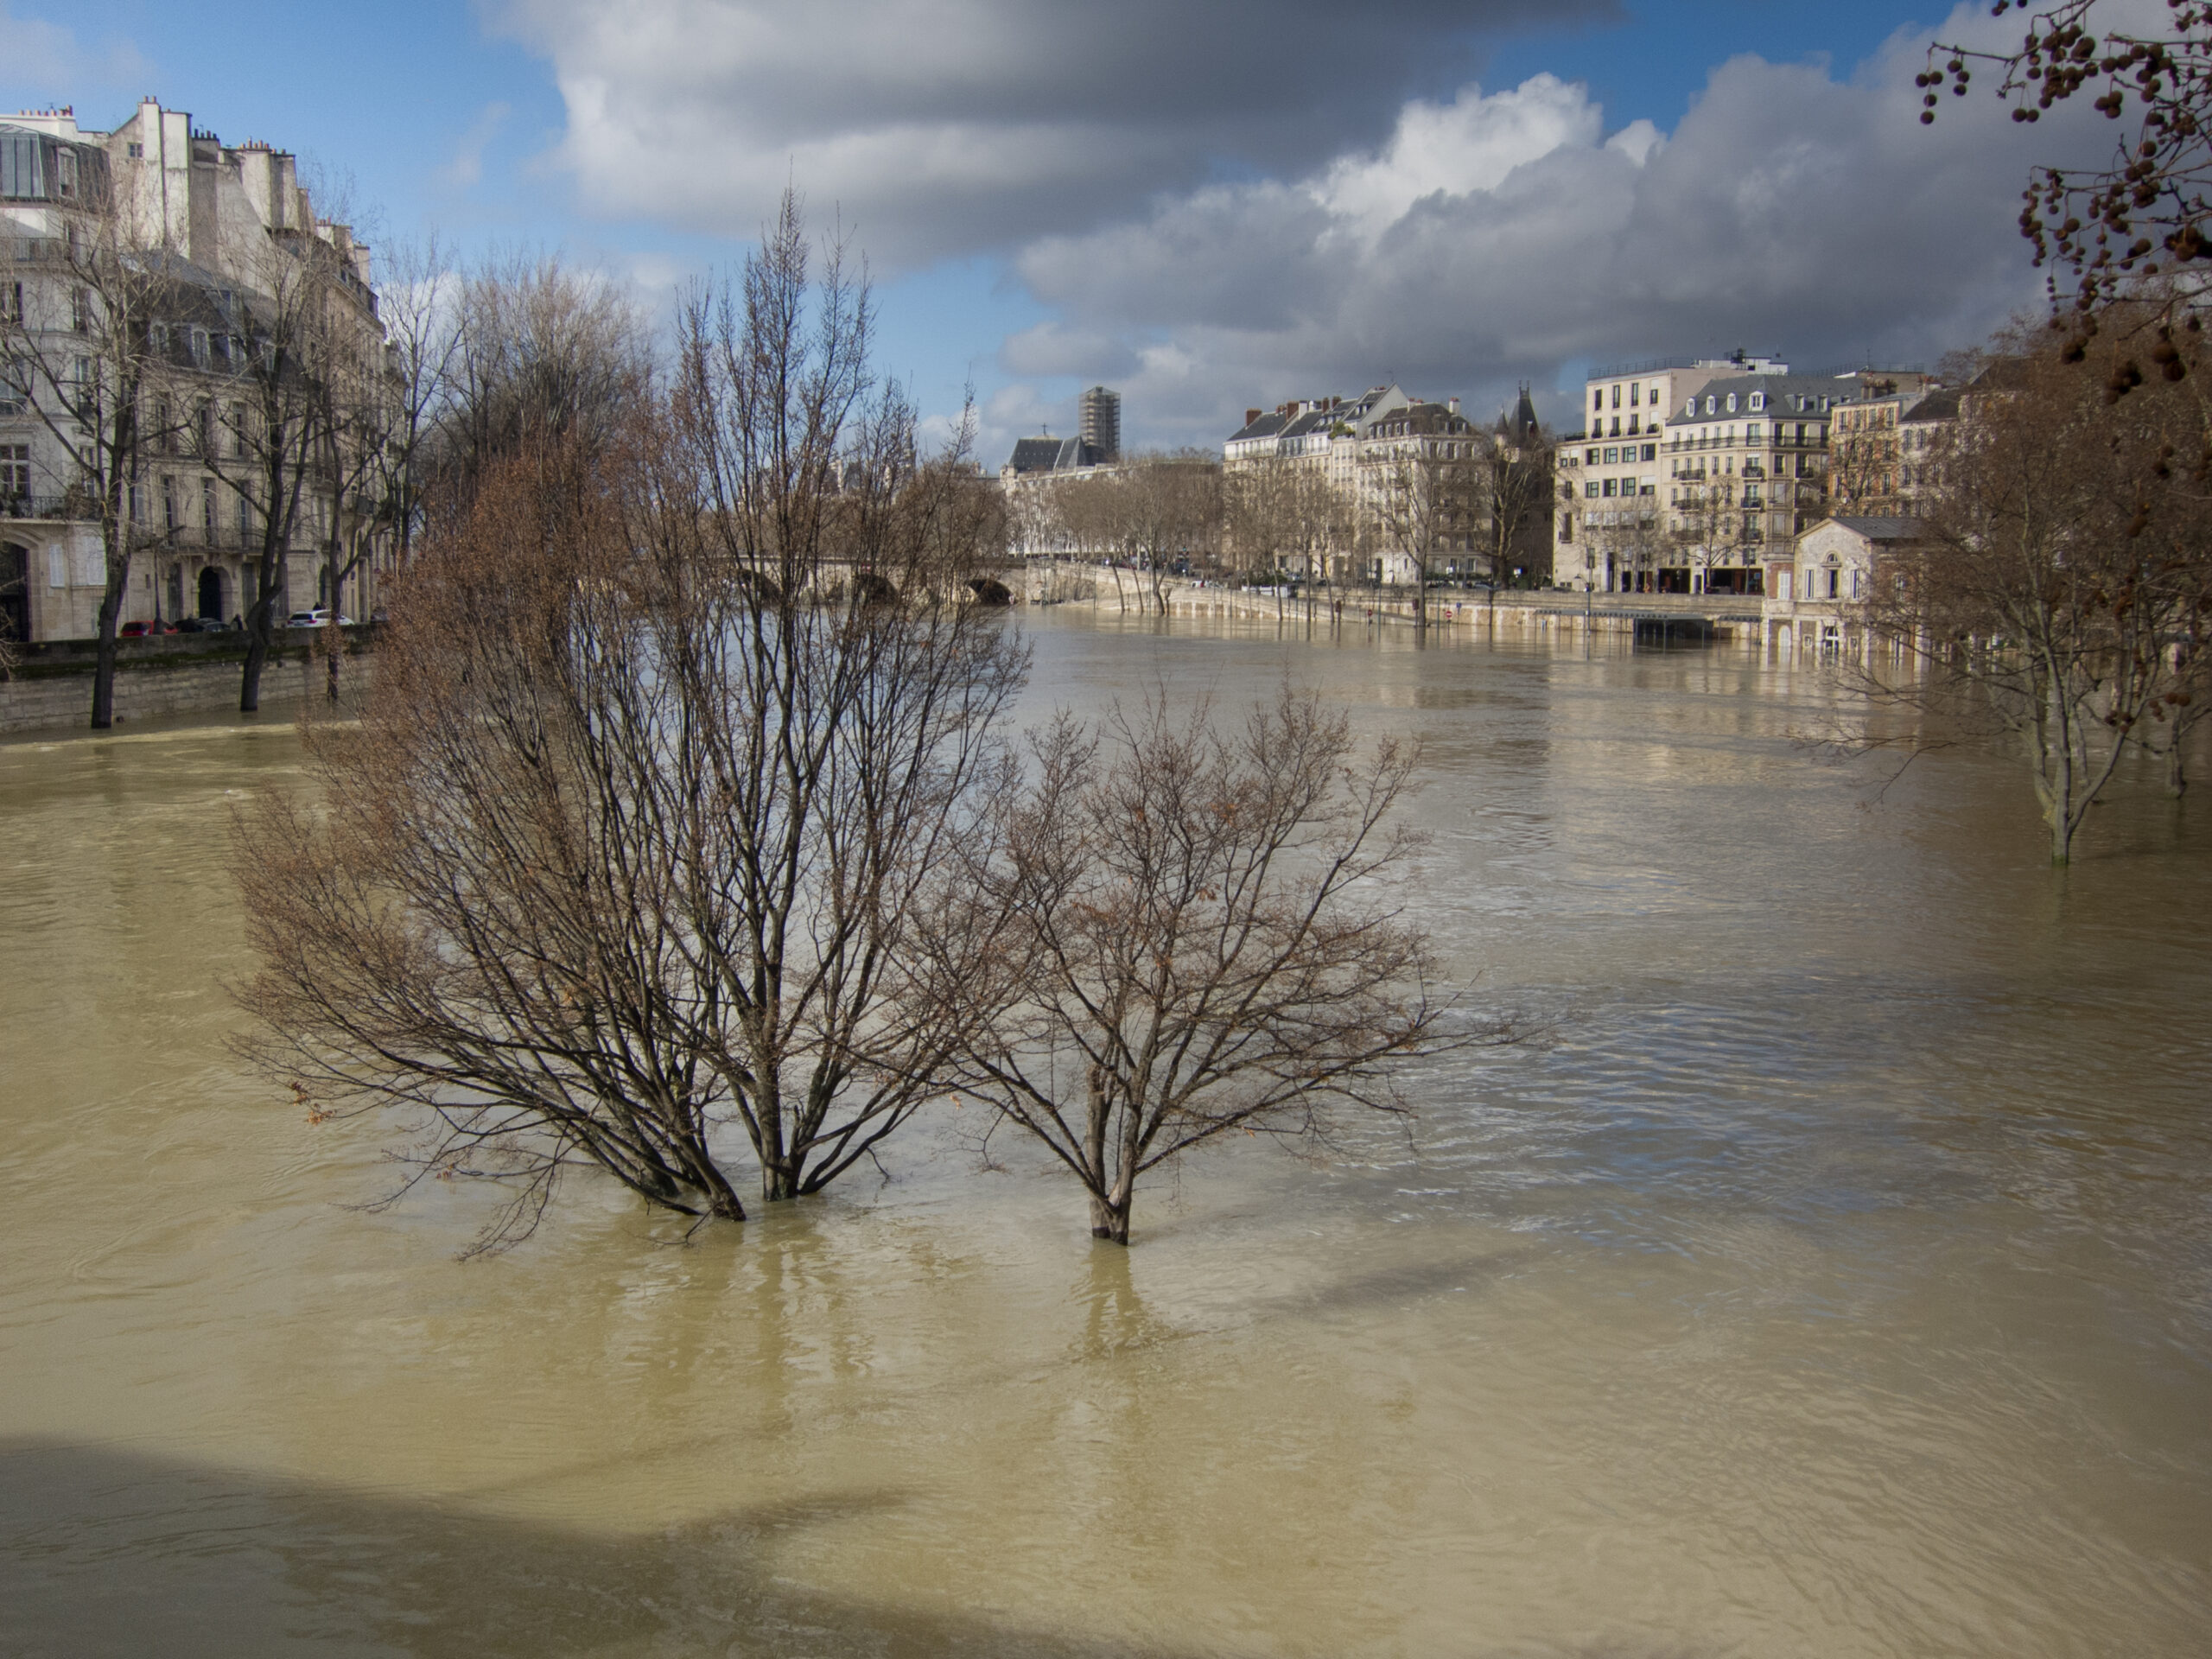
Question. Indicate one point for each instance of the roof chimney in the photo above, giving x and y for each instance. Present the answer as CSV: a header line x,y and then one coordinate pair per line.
x,y
1250,415
1452,403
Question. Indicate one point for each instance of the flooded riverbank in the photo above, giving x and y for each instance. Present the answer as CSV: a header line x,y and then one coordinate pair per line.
x,y
1837,1279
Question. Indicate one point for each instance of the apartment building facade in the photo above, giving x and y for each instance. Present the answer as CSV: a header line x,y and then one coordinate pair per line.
x,y
1608,520
204,227
1414,473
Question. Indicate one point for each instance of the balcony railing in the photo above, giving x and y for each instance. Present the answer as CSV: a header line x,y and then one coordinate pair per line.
x,y
213,537
47,506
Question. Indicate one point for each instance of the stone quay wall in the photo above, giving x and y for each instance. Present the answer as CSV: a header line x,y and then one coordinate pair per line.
x,y
50,689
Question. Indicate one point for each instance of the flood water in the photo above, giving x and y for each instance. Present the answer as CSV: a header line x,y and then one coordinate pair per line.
x,y
1835,1279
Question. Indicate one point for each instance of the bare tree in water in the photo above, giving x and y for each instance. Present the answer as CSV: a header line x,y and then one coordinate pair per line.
x,y
620,866
2060,591
1182,941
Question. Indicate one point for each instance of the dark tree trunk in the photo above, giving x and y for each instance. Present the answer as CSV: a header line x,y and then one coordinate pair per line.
x,y
104,660
1110,1221
257,657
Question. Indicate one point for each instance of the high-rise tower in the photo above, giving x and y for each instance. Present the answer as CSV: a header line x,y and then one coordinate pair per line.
x,y
1099,425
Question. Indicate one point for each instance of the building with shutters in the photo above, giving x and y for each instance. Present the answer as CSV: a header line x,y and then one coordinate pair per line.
x,y
200,221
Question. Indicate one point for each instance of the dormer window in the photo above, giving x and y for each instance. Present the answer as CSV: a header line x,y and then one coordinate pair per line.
x,y
1732,403
1759,400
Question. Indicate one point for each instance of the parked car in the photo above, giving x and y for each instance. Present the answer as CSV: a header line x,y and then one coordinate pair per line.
x,y
317,618
141,630
202,624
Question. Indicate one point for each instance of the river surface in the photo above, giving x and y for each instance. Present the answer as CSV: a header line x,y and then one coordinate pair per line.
x,y
1835,1277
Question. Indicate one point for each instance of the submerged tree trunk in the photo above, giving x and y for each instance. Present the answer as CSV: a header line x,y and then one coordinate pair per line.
x,y
1110,1221
104,661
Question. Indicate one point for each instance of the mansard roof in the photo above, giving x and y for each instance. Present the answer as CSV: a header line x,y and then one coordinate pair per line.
x,y
1941,404
1785,395
1268,425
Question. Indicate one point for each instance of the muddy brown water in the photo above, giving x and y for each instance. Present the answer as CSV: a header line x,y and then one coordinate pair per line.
x,y
1837,1280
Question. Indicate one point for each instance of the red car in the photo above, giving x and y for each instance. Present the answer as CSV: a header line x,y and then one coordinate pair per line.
x,y
140,630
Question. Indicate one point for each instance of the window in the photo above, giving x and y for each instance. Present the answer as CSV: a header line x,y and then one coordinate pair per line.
x,y
1617,426
1616,397
136,152
1712,403
1590,458
57,566
1652,396
1612,457
14,470
207,503
1732,403
169,502
1759,400
11,302
1632,428
15,389
1650,452
1597,399
1611,486
1589,490
1751,433
1632,392
91,572
80,310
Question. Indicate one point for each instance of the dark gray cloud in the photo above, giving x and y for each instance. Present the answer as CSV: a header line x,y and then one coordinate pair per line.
x,y
943,127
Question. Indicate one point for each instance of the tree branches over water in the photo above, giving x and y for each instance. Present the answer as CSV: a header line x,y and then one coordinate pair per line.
x,y
621,854
678,839
2059,591
1187,939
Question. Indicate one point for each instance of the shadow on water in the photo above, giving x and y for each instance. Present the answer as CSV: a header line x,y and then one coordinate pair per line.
x,y
107,1551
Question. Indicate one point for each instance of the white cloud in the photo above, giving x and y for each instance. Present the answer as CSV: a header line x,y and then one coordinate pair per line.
x,y
467,167
1472,143
46,60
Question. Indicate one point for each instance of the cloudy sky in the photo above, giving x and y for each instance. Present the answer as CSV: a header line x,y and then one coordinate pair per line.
x,y
1206,205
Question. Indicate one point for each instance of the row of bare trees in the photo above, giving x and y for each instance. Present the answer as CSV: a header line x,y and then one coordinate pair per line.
x,y
682,836
1482,510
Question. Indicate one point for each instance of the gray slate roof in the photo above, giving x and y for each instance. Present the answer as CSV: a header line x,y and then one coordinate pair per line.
x,y
1884,529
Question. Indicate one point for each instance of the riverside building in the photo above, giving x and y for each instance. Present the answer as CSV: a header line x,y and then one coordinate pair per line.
x,y
206,227
1609,523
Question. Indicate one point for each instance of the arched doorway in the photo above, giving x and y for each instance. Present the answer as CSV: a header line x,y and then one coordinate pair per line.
x,y
14,592
210,592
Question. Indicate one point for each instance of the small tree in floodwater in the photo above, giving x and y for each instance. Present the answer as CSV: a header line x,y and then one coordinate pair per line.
x,y
618,868
1181,944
